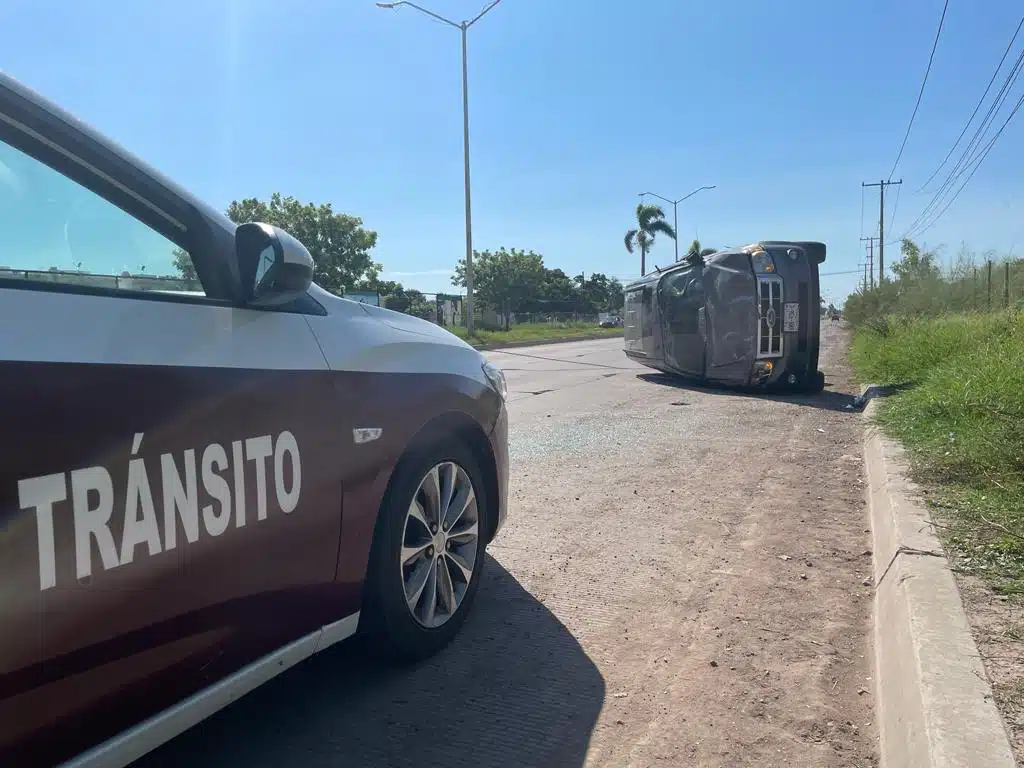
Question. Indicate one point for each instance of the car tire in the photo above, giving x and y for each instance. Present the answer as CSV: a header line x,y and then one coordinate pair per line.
x,y
396,630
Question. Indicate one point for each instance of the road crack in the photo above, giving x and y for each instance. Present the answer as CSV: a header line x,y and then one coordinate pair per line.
x,y
905,550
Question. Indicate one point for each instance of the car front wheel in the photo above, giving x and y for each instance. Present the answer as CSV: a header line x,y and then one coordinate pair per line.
x,y
427,553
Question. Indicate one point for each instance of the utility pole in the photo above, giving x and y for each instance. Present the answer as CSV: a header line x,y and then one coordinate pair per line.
x,y
881,223
871,259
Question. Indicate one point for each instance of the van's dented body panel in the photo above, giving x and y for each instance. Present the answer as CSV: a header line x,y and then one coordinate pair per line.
x,y
189,486
749,316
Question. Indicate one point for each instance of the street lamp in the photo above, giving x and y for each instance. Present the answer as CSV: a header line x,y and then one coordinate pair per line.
x,y
462,26
675,210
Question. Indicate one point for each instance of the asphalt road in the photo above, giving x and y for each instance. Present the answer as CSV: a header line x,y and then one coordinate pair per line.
x,y
680,582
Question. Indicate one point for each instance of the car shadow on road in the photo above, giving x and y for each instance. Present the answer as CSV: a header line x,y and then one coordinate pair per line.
x,y
827,400
513,689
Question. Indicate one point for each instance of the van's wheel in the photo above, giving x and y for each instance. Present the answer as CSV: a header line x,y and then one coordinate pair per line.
x,y
427,552
815,385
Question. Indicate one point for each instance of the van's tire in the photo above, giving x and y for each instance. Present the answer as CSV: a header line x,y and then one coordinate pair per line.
x,y
815,385
395,630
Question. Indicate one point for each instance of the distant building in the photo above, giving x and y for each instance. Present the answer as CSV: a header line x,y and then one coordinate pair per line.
x,y
449,309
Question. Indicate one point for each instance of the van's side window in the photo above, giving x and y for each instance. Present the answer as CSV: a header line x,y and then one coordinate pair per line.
x,y
57,231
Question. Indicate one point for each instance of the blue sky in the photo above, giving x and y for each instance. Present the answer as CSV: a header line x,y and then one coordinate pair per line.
x,y
575,107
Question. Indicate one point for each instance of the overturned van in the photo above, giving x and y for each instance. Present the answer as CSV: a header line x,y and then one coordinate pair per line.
x,y
749,316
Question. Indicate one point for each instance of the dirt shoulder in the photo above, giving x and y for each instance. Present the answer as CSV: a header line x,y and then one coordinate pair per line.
x,y
708,551
997,623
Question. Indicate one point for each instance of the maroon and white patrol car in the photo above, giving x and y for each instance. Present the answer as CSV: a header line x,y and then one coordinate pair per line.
x,y
201,488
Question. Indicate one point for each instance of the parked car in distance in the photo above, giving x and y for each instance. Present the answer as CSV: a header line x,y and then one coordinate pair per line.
x,y
201,488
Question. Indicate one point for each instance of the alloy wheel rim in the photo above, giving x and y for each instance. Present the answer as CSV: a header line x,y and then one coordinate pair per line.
x,y
439,544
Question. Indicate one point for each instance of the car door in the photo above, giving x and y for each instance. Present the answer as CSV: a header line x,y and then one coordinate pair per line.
x,y
682,303
170,495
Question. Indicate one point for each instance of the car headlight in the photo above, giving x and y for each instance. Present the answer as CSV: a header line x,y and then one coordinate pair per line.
x,y
497,379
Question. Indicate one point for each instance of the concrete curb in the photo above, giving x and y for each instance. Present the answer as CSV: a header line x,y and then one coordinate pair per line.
x,y
933,701
543,342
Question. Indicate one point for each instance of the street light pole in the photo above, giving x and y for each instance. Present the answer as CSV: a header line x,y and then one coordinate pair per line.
x,y
463,27
469,205
675,210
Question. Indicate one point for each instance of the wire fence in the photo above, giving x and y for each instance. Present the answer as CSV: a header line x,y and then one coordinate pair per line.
x,y
965,287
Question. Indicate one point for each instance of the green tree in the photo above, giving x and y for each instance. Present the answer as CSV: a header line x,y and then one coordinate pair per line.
x,y
650,221
419,305
339,244
558,293
616,295
696,255
410,301
504,280
393,295
916,264
595,292
917,289
383,287
183,263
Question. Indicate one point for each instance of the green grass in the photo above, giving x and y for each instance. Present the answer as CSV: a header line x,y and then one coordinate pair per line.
x,y
962,421
538,332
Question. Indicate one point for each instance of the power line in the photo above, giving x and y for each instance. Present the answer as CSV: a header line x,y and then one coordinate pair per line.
x,y
988,148
920,93
847,272
971,158
976,108
895,205
971,152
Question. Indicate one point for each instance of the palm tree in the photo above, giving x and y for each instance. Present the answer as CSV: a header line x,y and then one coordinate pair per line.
x,y
696,255
650,221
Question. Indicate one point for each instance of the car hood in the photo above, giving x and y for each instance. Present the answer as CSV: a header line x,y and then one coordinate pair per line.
x,y
397,320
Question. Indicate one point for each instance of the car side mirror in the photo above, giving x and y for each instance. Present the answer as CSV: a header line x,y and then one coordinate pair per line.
x,y
275,268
